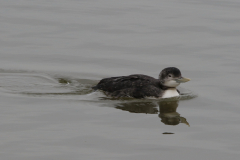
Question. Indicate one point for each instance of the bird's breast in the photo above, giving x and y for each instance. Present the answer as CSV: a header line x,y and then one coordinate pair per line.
x,y
172,92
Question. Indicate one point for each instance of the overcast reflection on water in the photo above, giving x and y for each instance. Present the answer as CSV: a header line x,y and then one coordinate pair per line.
x,y
53,52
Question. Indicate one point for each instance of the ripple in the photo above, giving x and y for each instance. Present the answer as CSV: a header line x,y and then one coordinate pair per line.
x,y
47,85
40,84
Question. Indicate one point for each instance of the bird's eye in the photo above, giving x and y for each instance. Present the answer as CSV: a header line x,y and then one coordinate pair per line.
x,y
169,75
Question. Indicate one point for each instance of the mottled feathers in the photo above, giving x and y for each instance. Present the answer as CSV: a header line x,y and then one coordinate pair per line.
x,y
137,86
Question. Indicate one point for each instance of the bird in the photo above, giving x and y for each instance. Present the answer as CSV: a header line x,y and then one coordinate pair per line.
x,y
143,86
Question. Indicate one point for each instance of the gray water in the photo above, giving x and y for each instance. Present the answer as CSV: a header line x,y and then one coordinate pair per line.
x,y
52,52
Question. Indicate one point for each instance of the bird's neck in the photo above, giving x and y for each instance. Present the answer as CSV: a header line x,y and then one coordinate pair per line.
x,y
164,87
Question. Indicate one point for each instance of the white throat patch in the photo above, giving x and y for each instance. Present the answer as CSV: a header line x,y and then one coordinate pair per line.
x,y
171,92
171,83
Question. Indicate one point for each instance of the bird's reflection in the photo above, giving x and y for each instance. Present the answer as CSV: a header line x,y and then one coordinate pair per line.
x,y
166,110
138,107
168,113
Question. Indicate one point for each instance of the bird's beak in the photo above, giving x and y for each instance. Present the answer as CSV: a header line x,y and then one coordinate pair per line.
x,y
182,80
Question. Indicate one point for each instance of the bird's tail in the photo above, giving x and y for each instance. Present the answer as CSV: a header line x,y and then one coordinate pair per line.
x,y
95,87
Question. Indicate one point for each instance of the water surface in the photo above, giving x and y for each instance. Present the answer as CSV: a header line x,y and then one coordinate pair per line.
x,y
52,52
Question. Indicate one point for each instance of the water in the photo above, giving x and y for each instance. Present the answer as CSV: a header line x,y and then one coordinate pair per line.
x,y
52,52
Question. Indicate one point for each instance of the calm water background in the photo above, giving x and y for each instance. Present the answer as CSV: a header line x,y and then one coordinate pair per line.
x,y
52,52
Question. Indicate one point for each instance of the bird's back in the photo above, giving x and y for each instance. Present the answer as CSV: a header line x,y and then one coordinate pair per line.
x,y
137,85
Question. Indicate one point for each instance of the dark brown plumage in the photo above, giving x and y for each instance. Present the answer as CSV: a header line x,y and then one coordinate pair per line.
x,y
138,85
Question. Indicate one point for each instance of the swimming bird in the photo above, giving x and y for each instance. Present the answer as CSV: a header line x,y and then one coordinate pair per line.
x,y
143,86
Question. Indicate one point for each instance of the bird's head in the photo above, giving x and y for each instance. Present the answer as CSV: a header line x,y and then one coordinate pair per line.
x,y
171,77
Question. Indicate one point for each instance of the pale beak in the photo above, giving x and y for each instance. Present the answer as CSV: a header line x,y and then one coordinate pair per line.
x,y
182,80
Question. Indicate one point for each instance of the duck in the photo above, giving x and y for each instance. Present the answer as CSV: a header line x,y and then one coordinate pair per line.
x,y
143,86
